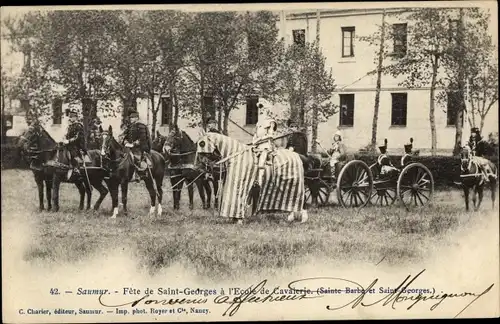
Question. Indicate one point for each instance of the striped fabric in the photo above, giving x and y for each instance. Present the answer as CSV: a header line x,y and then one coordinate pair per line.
x,y
283,187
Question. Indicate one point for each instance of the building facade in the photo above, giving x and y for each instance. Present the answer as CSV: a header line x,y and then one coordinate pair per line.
x,y
403,113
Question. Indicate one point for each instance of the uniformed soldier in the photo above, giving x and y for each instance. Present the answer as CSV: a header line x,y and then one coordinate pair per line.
x,y
386,167
478,148
263,142
336,152
75,142
137,137
408,152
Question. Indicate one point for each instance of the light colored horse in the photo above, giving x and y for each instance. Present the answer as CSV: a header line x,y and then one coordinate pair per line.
x,y
282,188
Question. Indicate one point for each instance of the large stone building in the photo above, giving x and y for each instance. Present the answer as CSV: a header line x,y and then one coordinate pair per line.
x,y
403,113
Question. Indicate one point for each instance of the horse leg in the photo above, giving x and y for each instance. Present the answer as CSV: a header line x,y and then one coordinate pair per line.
x,y
216,192
480,190
474,196
88,189
56,183
176,193
493,189
81,189
201,190
124,186
113,189
190,194
208,191
159,188
48,186
39,183
466,197
152,195
103,191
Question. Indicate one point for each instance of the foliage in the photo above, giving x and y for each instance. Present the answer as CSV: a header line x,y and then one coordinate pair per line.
x,y
305,82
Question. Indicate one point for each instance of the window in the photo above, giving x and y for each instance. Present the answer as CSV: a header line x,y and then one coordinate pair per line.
x,y
57,111
166,111
252,116
208,103
452,106
400,39
25,105
399,107
299,37
348,41
347,110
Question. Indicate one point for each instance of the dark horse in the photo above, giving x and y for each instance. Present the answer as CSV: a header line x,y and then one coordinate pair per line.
x,y
50,162
179,151
472,178
120,162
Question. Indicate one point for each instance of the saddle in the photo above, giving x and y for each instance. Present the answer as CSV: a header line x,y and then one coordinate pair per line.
x,y
141,161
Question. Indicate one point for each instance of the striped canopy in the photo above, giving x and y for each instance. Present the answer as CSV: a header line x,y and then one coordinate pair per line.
x,y
283,186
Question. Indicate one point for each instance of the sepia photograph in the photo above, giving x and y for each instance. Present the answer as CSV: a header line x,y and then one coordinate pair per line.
x,y
253,161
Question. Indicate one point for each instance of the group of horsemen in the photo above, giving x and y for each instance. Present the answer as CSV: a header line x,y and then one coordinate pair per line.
x,y
136,136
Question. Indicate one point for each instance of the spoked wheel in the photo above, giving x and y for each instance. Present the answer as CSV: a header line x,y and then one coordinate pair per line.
x,y
415,186
323,193
354,184
384,192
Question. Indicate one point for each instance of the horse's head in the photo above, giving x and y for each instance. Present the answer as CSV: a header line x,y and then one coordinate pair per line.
x,y
465,156
36,138
207,150
177,141
109,147
157,143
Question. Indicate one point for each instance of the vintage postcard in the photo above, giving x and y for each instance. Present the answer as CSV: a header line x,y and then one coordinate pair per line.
x,y
238,162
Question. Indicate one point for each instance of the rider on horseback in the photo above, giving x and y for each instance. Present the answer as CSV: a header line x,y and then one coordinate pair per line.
x,y
478,148
136,135
263,142
386,167
75,142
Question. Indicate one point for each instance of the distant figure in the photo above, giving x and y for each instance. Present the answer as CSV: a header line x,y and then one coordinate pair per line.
x,y
478,147
213,126
336,152
386,167
297,141
408,153
263,142
75,141
137,136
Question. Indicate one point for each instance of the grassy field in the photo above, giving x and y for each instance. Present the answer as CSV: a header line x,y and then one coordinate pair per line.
x,y
211,248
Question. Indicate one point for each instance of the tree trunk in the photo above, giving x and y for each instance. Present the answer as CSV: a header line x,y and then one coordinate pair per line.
x,y
315,107
226,121
176,106
481,124
461,89
432,106
202,102
379,85
154,114
86,112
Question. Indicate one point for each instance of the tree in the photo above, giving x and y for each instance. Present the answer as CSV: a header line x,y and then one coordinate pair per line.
x,y
74,48
428,34
471,59
232,55
305,83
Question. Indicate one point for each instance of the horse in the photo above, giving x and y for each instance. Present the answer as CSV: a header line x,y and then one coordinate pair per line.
x,y
120,163
179,150
473,179
49,162
282,188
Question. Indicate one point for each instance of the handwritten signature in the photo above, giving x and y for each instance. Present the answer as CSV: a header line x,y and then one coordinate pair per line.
x,y
363,297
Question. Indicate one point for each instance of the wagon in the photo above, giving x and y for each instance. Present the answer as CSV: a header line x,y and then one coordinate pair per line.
x,y
412,185
358,185
354,184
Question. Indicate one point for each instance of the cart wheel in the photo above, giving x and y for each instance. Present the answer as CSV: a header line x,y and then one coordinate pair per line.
x,y
354,184
415,186
323,195
307,195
